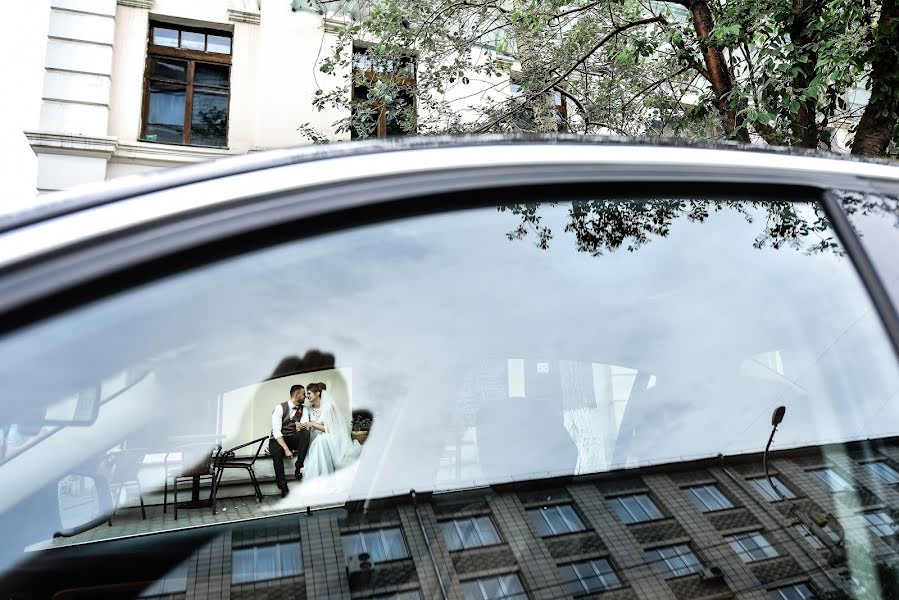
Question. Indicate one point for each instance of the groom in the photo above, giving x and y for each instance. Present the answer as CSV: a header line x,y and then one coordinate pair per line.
x,y
287,438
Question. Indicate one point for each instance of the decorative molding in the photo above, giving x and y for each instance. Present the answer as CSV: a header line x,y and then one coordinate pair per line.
x,y
334,23
147,4
45,142
243,16
165,154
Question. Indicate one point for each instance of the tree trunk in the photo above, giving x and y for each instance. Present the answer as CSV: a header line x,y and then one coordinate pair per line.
x,y
805,128
717,70
872,137
542,106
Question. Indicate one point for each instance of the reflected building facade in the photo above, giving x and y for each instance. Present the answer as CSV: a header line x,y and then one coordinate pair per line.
x,y
713,528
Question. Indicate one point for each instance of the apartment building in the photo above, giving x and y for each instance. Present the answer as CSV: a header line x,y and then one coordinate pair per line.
x,y
131,86
714,528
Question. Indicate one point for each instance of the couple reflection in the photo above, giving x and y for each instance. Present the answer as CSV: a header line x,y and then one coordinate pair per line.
x,y
313,428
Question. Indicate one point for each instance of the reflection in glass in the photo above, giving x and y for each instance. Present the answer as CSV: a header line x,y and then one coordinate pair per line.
x,y
489,360
884,471
268,561
209,118
79,501
173,582
165,115
219,44
876,219
210,74
168,68
165,37
769,493
191,40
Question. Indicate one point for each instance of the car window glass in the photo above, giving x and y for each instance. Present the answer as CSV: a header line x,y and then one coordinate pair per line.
x,y
876,219
482,347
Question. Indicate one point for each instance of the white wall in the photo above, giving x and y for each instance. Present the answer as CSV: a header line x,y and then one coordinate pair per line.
x,y
24,39
290,46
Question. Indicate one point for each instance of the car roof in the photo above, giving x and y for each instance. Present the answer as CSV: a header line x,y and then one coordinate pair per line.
x,y
194,213
59,204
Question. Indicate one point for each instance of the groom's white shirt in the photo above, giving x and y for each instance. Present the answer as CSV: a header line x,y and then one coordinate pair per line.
x,y
278,416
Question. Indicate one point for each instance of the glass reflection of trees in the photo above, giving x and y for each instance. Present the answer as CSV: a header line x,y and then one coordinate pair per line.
x,y
601,226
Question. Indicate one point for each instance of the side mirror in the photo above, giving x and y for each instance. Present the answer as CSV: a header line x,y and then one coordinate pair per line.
x,y
77,409
81,503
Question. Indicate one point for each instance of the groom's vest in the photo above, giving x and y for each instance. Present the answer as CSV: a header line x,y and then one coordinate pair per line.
x,y
287,424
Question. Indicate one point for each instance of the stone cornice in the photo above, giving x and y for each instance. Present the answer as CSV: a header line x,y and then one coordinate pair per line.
x,y
165,154
147,4
45,142
243,16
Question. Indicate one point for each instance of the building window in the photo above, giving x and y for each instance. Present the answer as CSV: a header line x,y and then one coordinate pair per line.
x,y
398,596
674,560
381,544
555,520
880,523
271,561
382,115
636,508
173,582
751,547
187,86
504,587
812,539
469,533
589,577
768,493
884,471
831,480
797,591
708,498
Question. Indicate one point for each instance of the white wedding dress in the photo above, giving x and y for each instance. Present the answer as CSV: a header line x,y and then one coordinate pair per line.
x,y
332,448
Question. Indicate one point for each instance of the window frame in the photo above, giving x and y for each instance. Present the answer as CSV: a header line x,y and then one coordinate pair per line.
x,y
597,574
875,528
191,57
738,541
502,584
819,475
558,508
371,75
792,586
663,566
277,546
878,474
714,491
474,520
618,506
761,486
380,532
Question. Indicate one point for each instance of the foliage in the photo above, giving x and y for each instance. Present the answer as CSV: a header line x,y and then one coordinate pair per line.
x,y
601,226
784,71
361,422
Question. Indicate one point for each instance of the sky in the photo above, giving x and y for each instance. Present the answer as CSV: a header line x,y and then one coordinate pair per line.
x,y
428,312
23,45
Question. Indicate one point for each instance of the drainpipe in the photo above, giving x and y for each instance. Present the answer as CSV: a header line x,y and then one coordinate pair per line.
x,y
424,532
777,518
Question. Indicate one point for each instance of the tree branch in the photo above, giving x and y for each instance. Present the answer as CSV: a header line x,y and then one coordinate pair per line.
x,y
652,86
572,68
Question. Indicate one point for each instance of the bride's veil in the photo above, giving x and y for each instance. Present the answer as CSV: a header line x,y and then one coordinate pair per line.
x,y
338,427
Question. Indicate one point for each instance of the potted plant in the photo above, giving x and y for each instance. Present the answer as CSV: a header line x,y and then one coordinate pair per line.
x,y
361,425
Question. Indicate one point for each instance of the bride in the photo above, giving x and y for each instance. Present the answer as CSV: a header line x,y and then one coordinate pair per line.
x,y
330,446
